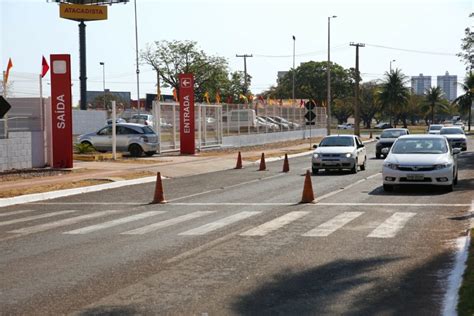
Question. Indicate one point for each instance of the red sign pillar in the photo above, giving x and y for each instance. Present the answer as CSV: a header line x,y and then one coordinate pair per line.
x,y
61,111
186,114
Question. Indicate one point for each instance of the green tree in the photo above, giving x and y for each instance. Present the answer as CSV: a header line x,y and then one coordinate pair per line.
x,y
414,108
433,99
464,101
393,93
311,83
369,103
171,58
467,47
343,109
98,102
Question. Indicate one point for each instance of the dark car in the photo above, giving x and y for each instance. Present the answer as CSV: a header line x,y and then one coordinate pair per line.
x,y
386,140
383,125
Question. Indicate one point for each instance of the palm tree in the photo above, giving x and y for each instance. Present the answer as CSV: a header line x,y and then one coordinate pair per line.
x,y
433,98
464,101
393,92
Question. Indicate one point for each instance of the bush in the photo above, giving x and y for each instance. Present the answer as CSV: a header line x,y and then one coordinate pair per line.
x,y
83,148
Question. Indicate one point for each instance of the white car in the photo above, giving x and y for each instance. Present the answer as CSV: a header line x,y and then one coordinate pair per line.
x,y
339,152
455,136
346,126
421,159
435,128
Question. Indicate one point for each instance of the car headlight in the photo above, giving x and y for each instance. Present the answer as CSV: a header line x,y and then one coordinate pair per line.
x,y
443,166
390,165
348,155
315,155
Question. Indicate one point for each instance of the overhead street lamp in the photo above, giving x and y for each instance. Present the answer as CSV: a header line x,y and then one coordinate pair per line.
x,y
103,80
392,61
329,76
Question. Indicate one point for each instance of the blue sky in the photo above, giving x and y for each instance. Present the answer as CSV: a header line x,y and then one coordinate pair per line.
x,y
264,28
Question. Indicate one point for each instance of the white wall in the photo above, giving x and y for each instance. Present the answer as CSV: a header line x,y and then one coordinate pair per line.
x,y
87,121
265,138
15,152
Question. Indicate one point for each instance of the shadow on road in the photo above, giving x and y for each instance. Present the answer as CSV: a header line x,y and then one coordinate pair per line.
x,y
111,311
411,189
341,287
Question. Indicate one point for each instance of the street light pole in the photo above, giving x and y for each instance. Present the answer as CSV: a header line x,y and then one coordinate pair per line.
x,y
392,61
136,54
294,70
103,80
329,77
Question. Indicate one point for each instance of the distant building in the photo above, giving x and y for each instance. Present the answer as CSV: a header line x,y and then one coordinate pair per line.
x,y
448,84
281,75
150,97
419,84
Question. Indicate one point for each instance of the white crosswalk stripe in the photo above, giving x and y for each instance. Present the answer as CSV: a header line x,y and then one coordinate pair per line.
x,y
32,218
219,223
116,222
392,225
275,224
327,228
60,223
166,223
15,212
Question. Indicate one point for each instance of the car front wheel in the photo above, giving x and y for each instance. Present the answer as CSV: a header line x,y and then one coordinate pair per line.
x,y
315,170
354,169
364,165
135,150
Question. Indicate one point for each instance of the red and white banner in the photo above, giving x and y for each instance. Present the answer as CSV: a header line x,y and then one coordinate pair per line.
x,y
61,111
186,113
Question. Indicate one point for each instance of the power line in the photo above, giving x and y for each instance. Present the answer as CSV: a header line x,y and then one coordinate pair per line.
x,y
412,50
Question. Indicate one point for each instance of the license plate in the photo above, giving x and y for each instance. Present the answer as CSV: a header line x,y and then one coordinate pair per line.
x,y
330,163
415,177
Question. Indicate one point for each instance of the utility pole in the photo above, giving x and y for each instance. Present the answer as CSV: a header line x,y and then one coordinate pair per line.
x,y
244,56
356,107
294,70
136,56
328,123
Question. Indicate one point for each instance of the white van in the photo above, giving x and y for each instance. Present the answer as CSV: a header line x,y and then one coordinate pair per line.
x,y
245,119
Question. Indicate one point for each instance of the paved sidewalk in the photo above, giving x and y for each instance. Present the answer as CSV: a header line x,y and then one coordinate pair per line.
x,y
170,165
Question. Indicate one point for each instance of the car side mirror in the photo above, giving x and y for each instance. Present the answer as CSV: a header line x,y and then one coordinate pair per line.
x,y
456,151
377,137
315,146
361,146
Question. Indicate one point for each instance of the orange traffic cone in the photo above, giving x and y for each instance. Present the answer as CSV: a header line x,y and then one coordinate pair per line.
x,y
308,195
239,162
159,197
263,166
286,164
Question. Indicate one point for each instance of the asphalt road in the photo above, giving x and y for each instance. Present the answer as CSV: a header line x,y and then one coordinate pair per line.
x,y
237,242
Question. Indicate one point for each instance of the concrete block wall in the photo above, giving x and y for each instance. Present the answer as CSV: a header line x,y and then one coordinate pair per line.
x,y
87,121
15,152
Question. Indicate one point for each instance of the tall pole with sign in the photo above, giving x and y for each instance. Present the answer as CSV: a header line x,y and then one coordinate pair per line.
x,y
186,114
310,116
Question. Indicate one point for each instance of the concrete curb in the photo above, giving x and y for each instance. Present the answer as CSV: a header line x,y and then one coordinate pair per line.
x,y
68,192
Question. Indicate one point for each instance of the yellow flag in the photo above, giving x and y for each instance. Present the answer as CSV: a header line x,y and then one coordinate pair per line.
x,y
243,97
206,96
175,95
218,98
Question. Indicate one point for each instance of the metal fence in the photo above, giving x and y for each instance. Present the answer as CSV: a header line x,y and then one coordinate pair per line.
x,y
26,114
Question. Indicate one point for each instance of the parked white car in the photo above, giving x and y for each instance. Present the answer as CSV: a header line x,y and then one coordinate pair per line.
x,y
455,136
346,126
339,152
435,128
421,159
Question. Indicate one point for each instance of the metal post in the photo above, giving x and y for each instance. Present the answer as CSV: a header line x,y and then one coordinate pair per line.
x,y
393,60
103,82
5,117
294,70
174,125
199,126
114,132
246,88
356,112
82,65
136,54
328,70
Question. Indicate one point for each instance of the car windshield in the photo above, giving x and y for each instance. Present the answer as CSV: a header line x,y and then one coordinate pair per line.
x,y
392,134
436,127
446,131
337,141
420,146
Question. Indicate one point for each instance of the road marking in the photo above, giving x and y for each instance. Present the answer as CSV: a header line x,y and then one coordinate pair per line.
x,y
374,175
317,204
113,223
31,218
16,212
218,224
275,224
60,223
166,223
392,225
231,204
325,196
329,227
86,203
224,188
